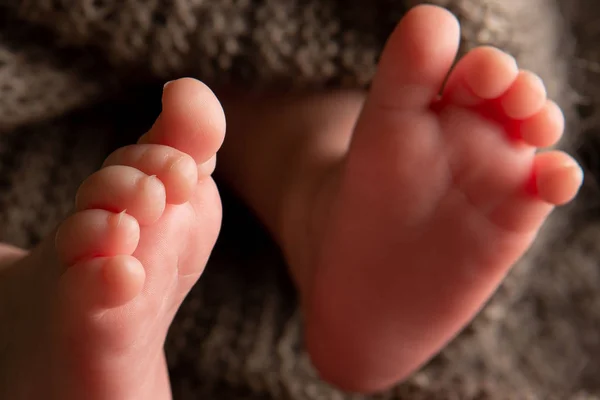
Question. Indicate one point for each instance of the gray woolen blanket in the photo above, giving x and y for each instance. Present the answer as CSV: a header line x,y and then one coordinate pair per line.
x,y
81,77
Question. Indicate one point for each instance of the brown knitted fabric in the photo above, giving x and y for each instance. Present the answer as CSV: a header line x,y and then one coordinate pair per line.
x,y
80,77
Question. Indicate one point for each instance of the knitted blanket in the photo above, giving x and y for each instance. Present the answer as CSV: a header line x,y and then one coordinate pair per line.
x,y
80,77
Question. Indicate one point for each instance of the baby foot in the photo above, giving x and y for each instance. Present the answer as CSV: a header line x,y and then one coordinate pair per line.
x,y
432,205
144,227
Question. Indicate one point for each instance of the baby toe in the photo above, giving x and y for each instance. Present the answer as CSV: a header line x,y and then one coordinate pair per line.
x,y
96,233
555,180
558,177
118,188
177,171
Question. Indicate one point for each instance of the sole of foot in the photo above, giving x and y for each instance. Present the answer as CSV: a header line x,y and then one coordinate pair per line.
x,y
437,198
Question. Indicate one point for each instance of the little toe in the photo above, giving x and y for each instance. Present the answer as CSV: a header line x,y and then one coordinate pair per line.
x,y
96,233
118,188
555,180
192,120
485,73
558,177
103,282
176,170
525,97
545,128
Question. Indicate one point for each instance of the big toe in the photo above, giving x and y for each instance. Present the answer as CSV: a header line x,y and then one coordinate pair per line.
x,y
416,59
413,67
192,121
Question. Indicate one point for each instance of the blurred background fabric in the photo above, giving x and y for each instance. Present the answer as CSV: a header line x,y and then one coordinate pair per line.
x,y
80,77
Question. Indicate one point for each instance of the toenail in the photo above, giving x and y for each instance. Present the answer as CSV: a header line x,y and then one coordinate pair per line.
x,y
574,170
114,220
167,84
207,168
150,180
144,139
175,163
510,60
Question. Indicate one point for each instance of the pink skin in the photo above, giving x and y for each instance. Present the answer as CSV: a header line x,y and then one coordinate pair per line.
x,y
144,227
432,205
434,201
